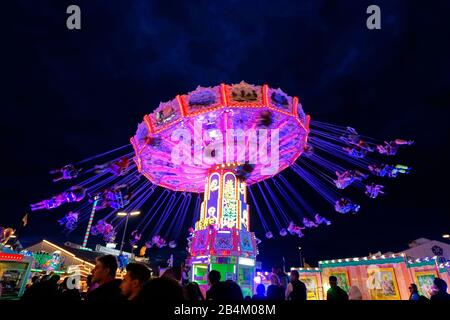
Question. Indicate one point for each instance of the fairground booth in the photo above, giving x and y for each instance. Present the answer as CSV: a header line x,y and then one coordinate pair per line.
x,y
311,277
385,277
379,276
61,258
64,260
15,270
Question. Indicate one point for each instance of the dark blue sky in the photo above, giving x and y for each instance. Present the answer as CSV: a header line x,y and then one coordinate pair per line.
x,y
71,94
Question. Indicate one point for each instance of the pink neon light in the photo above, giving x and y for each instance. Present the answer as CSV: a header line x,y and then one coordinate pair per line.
x,y
151,161
182,107
148,122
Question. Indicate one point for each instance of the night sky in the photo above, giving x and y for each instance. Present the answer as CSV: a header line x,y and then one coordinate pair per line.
x,y
67,95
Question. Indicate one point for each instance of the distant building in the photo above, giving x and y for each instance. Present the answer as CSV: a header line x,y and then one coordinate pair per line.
x,y
423,247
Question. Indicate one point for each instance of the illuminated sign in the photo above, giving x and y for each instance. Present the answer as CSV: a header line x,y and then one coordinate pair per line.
x,y
223,260
203,223
11,257
200,260
246,261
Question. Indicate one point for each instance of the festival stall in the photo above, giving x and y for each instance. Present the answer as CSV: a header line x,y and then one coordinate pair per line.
x,y
377,277
309,276
58,259
423,271
444,271
313,281
14,273
62,260
385,277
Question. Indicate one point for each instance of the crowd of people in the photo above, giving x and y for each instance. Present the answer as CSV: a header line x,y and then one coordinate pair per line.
x,y
139,285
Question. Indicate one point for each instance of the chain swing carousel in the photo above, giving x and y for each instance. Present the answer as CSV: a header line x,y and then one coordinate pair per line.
x,y
231,144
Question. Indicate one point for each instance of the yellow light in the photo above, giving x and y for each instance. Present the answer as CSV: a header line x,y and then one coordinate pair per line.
x,y
122,214
446,236
135,213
